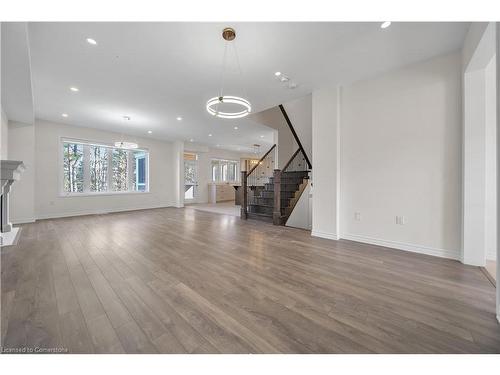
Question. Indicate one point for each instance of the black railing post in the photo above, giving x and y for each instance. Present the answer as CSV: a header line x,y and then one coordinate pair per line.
x,y
244,196
277,197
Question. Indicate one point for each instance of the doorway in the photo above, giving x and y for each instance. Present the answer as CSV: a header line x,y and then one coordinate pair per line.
x,y
190,177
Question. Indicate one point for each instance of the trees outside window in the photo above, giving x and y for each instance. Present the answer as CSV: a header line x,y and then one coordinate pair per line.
x,y
98,168
120,169
90,168
73,167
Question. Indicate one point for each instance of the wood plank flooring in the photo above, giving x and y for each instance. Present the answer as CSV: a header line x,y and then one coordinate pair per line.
x,y
187,281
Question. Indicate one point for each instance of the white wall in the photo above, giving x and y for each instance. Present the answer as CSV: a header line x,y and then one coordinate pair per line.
x,y
491,160
284,139
401,155
22,196
300,113
49,203
301,216
205,156
326,168
497,53
4,136
474,169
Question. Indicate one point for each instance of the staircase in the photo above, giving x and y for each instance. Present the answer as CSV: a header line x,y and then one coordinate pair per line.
x,y
271,194
261,204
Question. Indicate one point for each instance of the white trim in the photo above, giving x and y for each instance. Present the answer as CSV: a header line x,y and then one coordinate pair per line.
x,y
26,220
97,143
491,255
414,248
101,193
10,238
86,167
97,212
329,236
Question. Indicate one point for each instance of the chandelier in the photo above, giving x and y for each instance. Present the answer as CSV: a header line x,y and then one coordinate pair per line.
x,y
217,105
126,145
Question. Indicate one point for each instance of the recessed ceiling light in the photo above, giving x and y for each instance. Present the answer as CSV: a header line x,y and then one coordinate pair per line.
x,y
126,118
277,74
235,128
64,115
385,25
191,140
210,135
91,41
150,131
262,136
179,118
74,89
218,145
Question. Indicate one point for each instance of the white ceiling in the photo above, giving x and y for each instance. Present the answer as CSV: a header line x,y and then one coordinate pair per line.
x,y
154,72
17,94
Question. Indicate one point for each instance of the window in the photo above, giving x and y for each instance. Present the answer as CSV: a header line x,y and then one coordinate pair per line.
x,y
73,167
139,170
190,176
225,170
90,168
120,169
98,168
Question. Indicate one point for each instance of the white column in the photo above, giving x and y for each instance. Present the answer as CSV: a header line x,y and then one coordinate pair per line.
x,y
179,173
326,168
498,162
474,177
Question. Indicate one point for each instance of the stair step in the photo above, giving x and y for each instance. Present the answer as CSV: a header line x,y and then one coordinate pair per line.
x,y
259,201
260,209
260,217
284,194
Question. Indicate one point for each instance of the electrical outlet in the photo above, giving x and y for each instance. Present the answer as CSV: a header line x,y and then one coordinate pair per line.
x,y
400,220
357,216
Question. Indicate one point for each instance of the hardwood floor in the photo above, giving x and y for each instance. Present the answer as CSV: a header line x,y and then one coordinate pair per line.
x,y
187,281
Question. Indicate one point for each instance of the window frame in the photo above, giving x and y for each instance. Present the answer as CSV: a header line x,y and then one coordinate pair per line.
x,y
86,169
226,163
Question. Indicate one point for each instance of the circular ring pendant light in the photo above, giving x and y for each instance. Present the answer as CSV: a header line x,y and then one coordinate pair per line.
x,y
213,104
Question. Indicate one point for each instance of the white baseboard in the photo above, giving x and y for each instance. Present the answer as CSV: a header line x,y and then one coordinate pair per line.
x,y
329,236
491,256
414,248
94,212
26,220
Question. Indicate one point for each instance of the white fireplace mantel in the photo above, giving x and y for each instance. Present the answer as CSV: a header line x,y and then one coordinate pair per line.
x,y
10,171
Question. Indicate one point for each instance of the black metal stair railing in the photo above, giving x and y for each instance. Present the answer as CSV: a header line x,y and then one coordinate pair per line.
x,y
256,181
297,163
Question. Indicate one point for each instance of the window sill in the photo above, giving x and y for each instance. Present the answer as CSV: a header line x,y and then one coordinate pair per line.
x,y
76,195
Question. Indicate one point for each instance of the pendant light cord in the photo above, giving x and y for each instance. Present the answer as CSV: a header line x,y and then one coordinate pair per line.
x,y
222,77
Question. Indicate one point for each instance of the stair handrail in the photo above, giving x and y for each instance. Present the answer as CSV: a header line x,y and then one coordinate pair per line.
x,y
287,119
290,160
261,159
